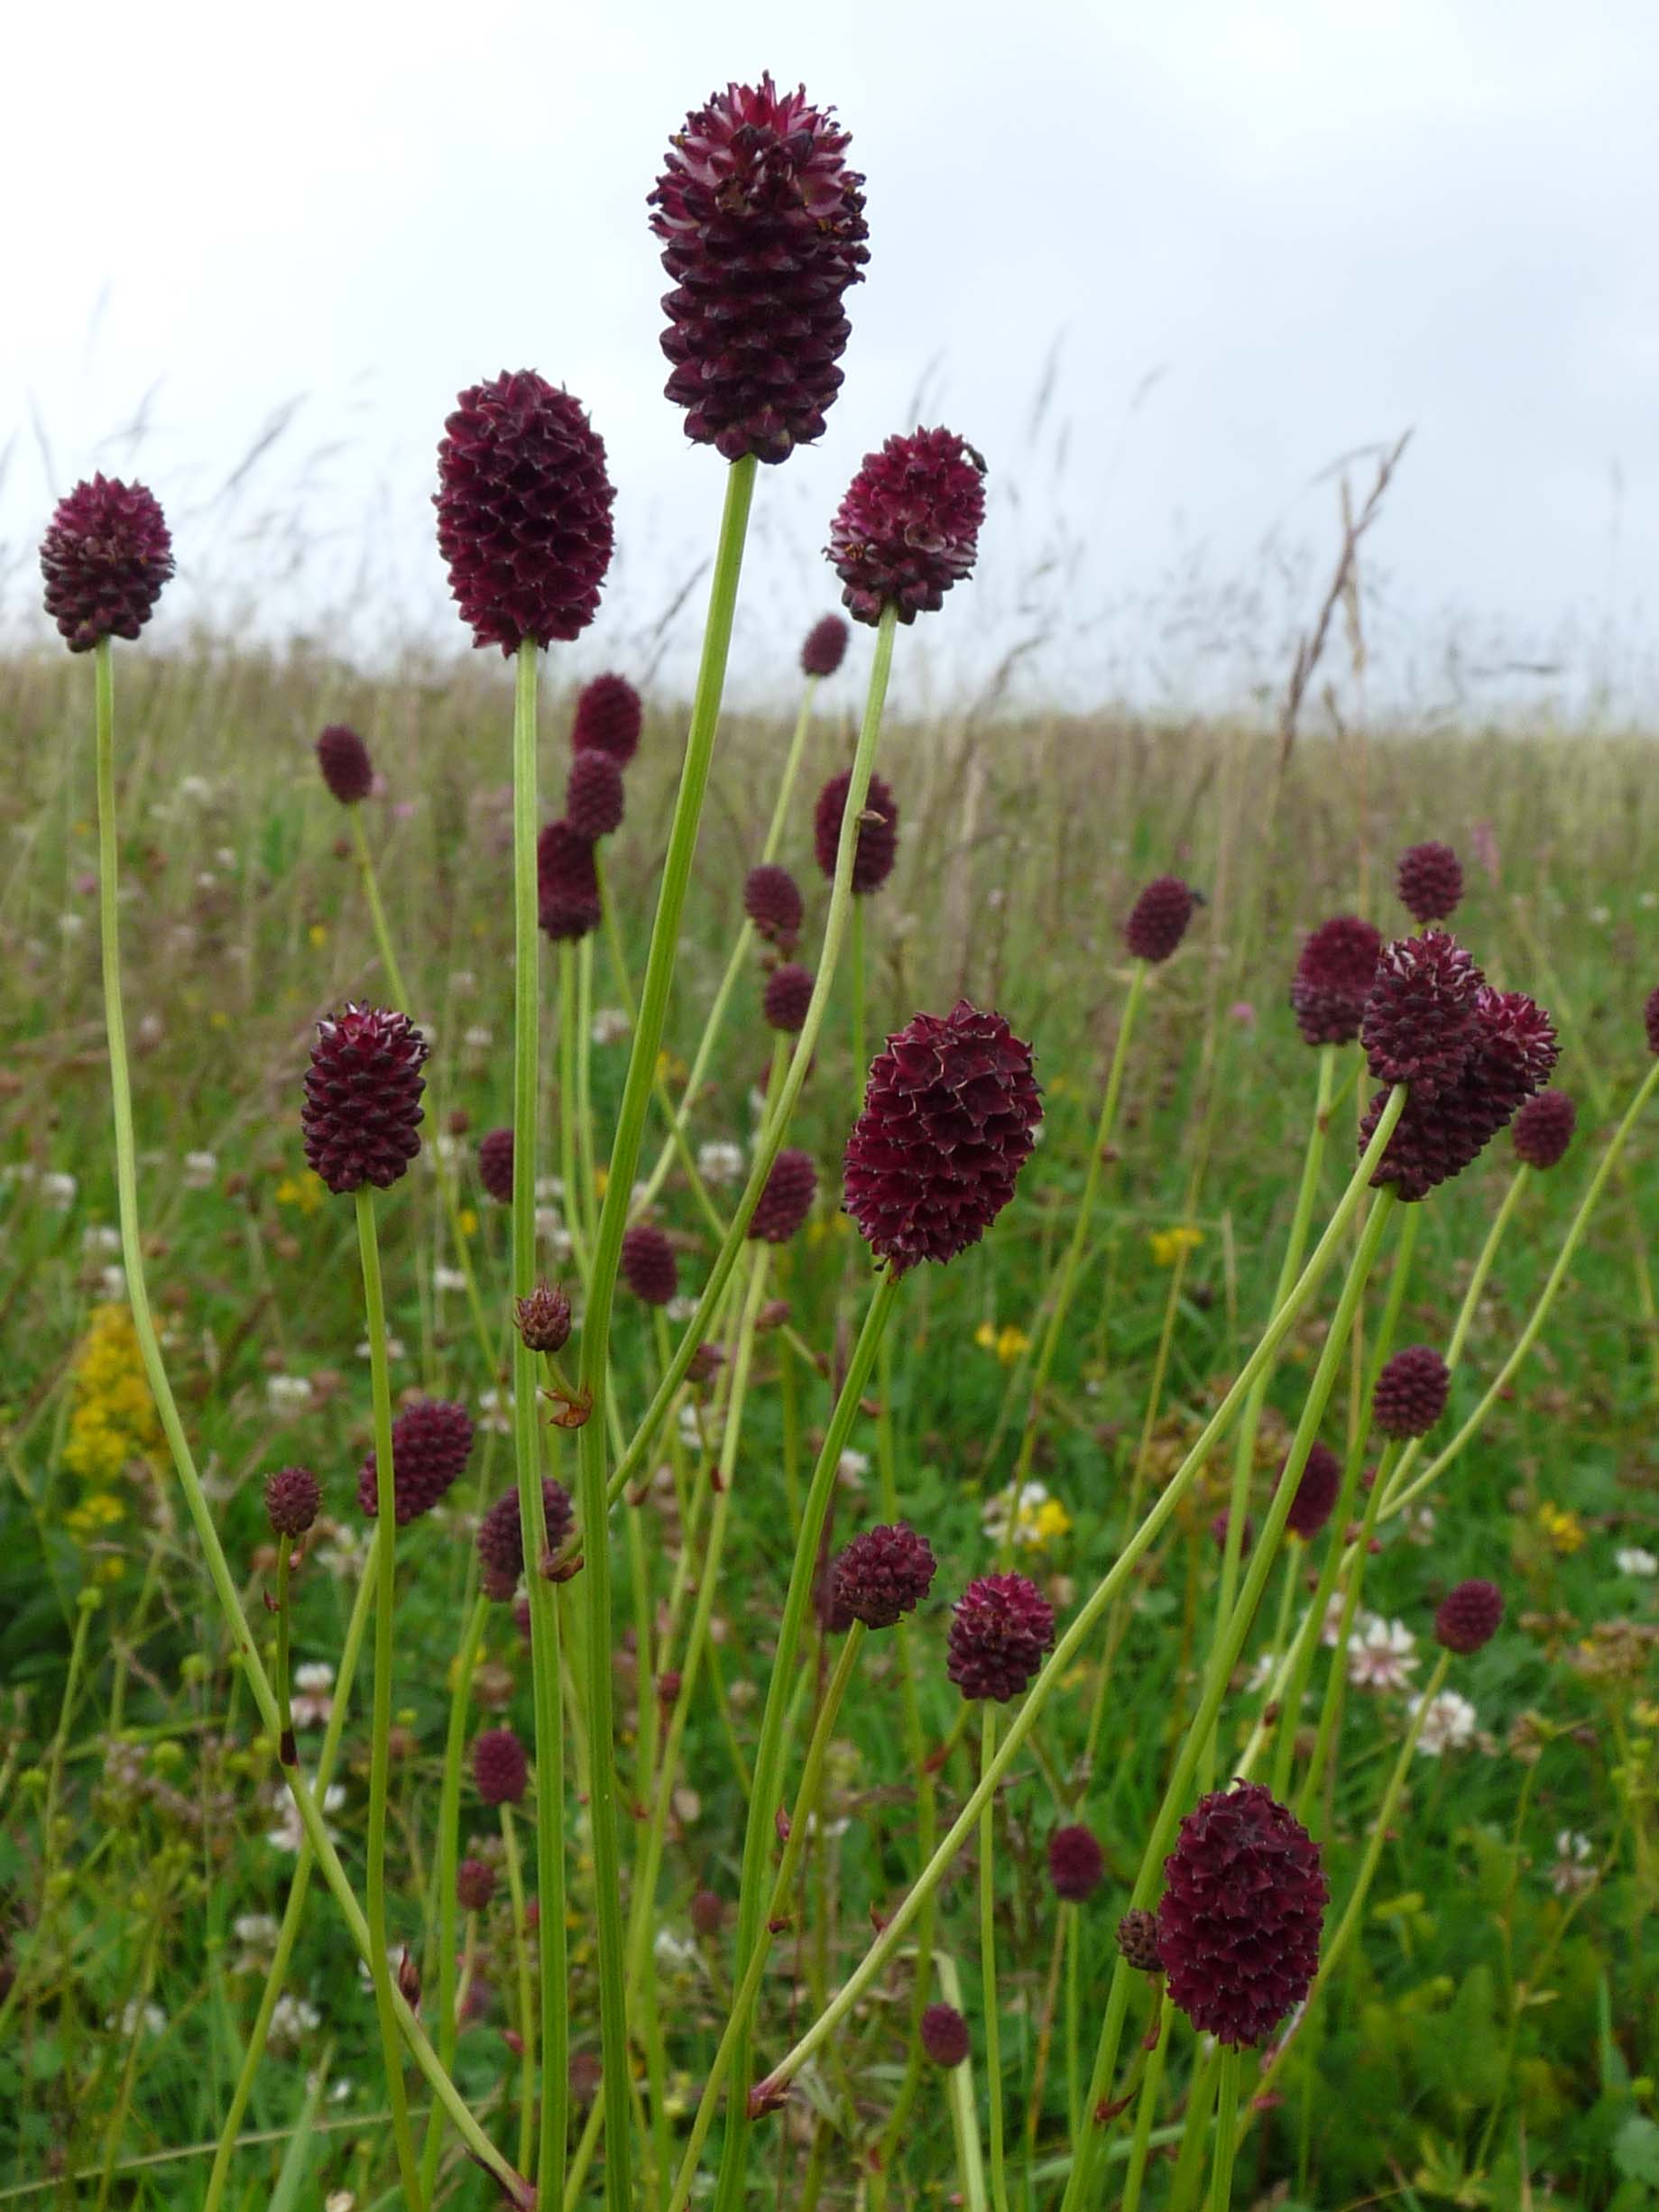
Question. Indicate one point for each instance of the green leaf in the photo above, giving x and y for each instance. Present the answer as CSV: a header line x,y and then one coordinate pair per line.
x,y
1635,2150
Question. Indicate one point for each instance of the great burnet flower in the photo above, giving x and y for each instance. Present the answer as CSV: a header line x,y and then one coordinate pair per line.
x,y
474,1884
567,882
762,230
608,718
293,1499
523,511
501,1537
945,2035
1431,881
1411,1392
1468,1616
1239,1920
1650,1020
950,1116
786,998
1444,1127
1076,1864
1138,1940
876,847
826,646
909,527
1544,1129
544,1319
105,556
1000,1630
593,795
361,1119
1418,1027
495,1164
785,1199
1158,918
1317,1492
649,1265
501,1772
882,1574
343,760
772,902
431,1443
1333,979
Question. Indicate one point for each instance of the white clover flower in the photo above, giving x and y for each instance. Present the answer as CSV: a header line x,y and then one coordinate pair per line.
x,y
71,925
58,1190
98,1242
136,2017
343,1554
311,1701
1262,1673
292,2019
550,1190
448,1278
993,1519
852,1467
463,982
200,1168
395,1349
720,1161
448,1148
479,1037
611,1026
1572,1871
288,1394
1382,1657
1447,1723
1633,1560
551,1231
680,1309
113,1284
289,1833
673,1951
495,1412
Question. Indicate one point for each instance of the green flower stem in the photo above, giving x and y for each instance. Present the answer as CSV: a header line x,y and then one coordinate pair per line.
x,y
855,965
1066,1652
776,1914
1065,1280
965,2118
592,1499
1195,2136
380,1738
527,2009
544,1626
771,1752
1226,2124
449,1853
1483,1266
1151,2090
769,1139
293,1911
704,1053
988,1960
286,1750
577,1219
1331,1707
584,1048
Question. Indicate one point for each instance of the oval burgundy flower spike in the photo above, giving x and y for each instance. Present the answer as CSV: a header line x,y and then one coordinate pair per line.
x,y
1158,919
787,1198
826,646
1469,1616
1001,1626
567,882
431,1443
105,556
344,761
877,846
772,902
1333,979
608,718
362,1111
1431,881
909,527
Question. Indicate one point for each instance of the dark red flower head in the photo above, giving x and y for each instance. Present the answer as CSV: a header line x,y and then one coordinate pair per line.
x,y
1650,1020
362,1111
1411,1392
909,527
762,229
1138,1942
945,2035
1544,1129
346,768
474,1884
1076,1864
1240,1920
1333,979
999,1629
787,1198
877,844
594,800
1441,1132
786,998
826,646
501,1537
883,1574
495,1164
950,1114
1158,918
649,1265
707,1909
500,1771
431,1443
1418,1027
1431,881
293,1499
1468,1616
1317,1492
1220,1526
567,882
772,902
608,718
523,511
106,555
544,1318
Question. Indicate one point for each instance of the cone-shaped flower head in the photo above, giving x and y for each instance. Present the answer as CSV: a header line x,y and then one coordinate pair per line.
x,y
1158,919
495,1164
826,646
293,1499
362,1112
945,2035
608,718
772,902
785,1199
106,555
594,796
1431,881
1650,1020
1411,1392
877,844
1333,979
1240,1920
500,1771
1000,1628
474,1884
762,230
343,760
523,511
883,1574
1544,1129
1419,1021
431,1443
501,1537
1076,1864
544,1319
1317,1492
1511,1053
909,527
567,882
950,1116
786,998
1138,1942
649,1265
1468,1616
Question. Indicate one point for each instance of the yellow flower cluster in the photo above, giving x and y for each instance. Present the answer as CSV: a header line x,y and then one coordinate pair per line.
x,y
112,1421
1561,1529
305,1192
1169,1245
1008,1343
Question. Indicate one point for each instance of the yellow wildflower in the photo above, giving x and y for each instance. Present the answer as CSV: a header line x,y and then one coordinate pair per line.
x,y
113,1418
823,1226
1562,1529
319,935
1051,1523
303,1192
670,1068
1008,1343
467,1221
1169,1245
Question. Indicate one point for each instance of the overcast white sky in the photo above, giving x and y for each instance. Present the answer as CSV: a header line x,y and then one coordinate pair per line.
x,y
1260,235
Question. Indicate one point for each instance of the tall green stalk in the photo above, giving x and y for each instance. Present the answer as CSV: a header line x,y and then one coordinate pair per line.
x,y
988,1963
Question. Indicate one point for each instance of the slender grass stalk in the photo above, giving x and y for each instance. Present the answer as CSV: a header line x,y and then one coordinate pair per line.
x,y
855,965
526,2007
380,1737
964,2117
1329,1710
286,1750
988,1961
1146,2108
1226,2124
448,1841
